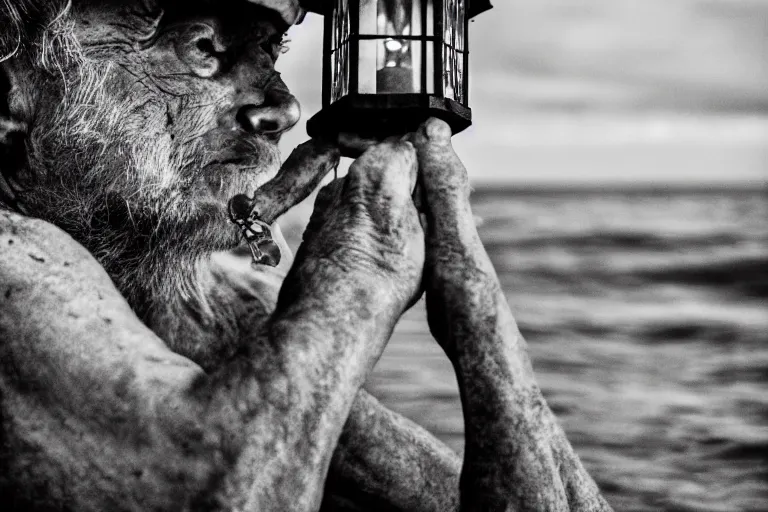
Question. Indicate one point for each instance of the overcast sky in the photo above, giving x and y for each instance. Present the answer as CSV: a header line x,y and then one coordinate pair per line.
x,y
601,91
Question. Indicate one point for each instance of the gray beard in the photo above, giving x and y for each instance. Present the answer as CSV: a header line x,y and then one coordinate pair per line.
x,y
127,197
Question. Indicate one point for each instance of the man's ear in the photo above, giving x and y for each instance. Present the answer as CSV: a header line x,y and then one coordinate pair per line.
x,y
13,134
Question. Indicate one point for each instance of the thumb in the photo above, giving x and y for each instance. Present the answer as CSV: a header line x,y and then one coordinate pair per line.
x,y
442,176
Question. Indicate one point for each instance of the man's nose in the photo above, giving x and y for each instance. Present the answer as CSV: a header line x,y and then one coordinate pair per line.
x,y
278,112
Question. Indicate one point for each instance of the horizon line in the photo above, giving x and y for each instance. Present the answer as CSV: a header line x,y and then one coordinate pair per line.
x,y
491,186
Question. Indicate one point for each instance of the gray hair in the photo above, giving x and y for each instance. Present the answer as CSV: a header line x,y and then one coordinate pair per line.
x,y
40,30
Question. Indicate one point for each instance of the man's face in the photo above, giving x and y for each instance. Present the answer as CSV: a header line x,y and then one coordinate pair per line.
x,y
175,109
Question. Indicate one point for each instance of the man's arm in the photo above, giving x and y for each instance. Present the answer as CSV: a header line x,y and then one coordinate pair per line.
x,y
382,461
94,407
517,456
385,462
338,315
101,414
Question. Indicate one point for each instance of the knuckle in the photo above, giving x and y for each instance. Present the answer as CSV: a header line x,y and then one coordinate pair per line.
x,y
382,180
437,130
402,148
389,151
398,157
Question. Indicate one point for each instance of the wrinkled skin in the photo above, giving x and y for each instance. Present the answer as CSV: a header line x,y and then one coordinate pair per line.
x,y
142,369
156,103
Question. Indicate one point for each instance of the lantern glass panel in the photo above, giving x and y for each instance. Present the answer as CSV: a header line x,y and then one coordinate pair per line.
x,y
430,67
453,74
340,27
390,66
430,17
392,46
392,17
340,72
454,23
339,58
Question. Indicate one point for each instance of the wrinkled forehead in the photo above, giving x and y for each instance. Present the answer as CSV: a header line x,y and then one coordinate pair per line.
x,y
288,10
101,22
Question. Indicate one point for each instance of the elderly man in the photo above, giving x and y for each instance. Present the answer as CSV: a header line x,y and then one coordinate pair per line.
x,y
144,368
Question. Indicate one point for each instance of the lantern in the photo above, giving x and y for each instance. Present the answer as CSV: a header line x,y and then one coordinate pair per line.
x,y
388,65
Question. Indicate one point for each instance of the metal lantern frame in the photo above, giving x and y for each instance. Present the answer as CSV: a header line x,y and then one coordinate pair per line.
x,y
349,106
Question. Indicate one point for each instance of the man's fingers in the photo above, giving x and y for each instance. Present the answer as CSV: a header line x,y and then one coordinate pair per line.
x,y
367,222
439,165
327,203
436,131
301,173
383,178
442,176
388,169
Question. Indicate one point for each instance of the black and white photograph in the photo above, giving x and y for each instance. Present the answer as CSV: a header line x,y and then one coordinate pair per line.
x,y
384,255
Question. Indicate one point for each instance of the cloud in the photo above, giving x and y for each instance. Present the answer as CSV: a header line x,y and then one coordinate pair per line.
x,y
687,55
602,91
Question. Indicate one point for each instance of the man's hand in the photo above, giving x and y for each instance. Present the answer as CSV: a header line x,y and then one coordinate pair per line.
x,y
359,267
366,223
516,455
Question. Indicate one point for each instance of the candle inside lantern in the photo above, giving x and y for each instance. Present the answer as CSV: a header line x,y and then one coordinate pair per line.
x,y
394,72
390,59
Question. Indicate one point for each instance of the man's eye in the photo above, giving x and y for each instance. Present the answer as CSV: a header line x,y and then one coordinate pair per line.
x,y
207,47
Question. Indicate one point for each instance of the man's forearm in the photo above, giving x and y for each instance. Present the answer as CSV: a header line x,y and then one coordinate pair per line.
x,y
358,268
516,456
385,462
287,400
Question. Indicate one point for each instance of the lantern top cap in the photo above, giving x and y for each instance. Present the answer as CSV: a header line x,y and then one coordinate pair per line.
x,y
324,6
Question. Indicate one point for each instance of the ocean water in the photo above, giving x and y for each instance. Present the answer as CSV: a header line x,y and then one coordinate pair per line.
x,y
646,319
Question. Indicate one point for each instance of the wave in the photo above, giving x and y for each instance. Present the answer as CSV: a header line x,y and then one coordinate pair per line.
x,y
689,331
501,240
652,332
746,275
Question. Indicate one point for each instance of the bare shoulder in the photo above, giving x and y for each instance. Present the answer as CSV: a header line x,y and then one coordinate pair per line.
x,y
207,325
51,287
32,250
